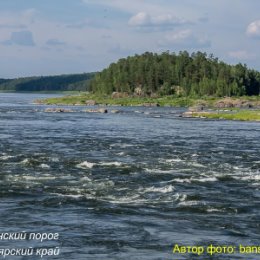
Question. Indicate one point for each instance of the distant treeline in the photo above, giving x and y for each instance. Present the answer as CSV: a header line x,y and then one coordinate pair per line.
x,y
195,74
48,83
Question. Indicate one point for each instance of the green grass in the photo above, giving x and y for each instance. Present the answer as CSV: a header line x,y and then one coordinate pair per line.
x,y
172,101
128,101
243,115
131,101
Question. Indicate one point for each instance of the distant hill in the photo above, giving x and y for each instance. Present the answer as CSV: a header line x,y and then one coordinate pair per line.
x,y
184,74
48,83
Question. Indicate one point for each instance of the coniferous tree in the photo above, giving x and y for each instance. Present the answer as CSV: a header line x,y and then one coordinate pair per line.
x,y
197,74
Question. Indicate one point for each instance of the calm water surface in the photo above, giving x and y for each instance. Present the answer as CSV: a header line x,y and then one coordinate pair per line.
x,y
127,185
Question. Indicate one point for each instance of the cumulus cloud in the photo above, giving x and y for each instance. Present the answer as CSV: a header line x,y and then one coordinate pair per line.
x,y
253,29
22,38
145,20
140,19
185,39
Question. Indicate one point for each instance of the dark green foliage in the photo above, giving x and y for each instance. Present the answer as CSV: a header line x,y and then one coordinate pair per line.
x,y
49,83
183,74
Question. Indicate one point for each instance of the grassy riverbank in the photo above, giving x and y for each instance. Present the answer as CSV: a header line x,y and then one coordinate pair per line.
x,y
173,101
123,101
242,115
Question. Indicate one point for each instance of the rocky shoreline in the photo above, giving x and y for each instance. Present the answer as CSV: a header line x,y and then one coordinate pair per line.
x,y
68,110
117,100
244,108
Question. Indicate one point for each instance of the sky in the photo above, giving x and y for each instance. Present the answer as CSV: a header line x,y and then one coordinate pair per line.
x,y
53,37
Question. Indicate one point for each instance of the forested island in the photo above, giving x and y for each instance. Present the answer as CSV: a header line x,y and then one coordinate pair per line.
x,y
180,74
196,80
71,82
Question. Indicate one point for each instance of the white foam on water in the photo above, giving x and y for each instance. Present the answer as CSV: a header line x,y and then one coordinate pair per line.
x,y
85,165
55,159
190,203
134,199
185,180
121,153
74,196
164,189
122,189
25,161
182,197
137,199
89,165
174,160
205,179
97,185
250,177
158,171
6,157
85,179
212,210
237,168
111,164
44,166
196,164
37,178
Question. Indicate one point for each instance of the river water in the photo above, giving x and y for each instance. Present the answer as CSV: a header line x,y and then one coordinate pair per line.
x,y
129,185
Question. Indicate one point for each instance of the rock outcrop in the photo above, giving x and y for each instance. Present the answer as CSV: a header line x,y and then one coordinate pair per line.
x,y
58,110
238,103
100,110
119,95
90,102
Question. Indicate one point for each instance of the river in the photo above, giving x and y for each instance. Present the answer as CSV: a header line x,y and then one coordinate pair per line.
x,y
129,185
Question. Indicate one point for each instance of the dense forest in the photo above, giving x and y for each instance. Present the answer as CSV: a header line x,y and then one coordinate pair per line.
x,y
48,83
184,74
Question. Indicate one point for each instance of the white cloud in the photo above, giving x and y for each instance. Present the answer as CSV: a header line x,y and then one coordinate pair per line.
x,y
140,19
143,19
253,29
185,39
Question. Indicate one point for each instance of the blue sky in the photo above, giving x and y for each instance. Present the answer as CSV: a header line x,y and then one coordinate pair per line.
x,y
72,36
